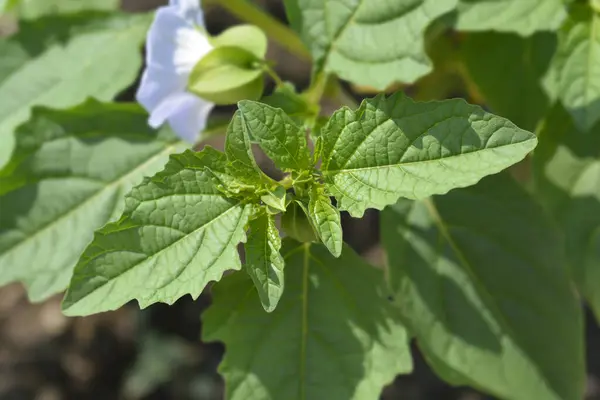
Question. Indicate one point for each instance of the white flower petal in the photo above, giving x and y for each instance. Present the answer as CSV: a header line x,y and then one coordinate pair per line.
x,y
174,43
187,115
191,117
157,84
191,10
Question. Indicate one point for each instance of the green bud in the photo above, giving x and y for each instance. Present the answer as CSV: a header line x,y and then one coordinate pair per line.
x,y
247,37
227,75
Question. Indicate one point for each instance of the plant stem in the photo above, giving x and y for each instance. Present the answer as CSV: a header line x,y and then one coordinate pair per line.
x,y
276,78
317,88
275,30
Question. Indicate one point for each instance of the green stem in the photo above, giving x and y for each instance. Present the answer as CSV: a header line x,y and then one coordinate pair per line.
x,y
276,78
317,88
278,32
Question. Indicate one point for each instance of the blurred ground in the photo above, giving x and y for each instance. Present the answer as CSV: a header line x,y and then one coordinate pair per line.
x,y
156,354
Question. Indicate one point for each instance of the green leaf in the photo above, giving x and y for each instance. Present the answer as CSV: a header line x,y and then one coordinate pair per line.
x,y
227,75
576,66
276,199
479,278
31,9
177,233
523,17
340,35
239,152
66,179
524,101
333,335
280,138
59,61
394,147
264,263
326,221
567,181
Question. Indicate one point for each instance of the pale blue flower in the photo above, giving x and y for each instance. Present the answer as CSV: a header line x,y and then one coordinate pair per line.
x,y
175,44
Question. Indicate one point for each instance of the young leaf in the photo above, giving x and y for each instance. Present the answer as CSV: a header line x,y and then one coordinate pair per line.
x,y
576,66
277,134
333,335
567,180
263,260
523,17
66,179
276,199
239,152
478,275
327,222
59,61
178,233
394,147
340,36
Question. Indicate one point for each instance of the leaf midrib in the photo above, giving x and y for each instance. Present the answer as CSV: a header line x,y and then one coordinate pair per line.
x,y
347,170
330,47
109,186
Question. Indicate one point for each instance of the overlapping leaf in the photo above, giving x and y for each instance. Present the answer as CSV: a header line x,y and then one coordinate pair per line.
x,y
519,16
178,233
576,66
567,172
277,134
327,221
333,335
264,263
59,61
480,279
67,178
341,35
395,147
